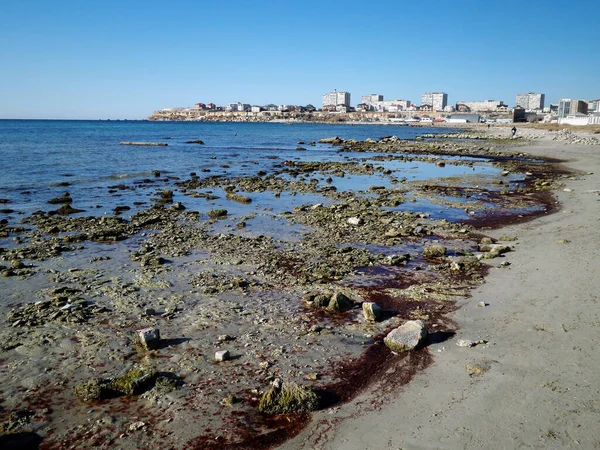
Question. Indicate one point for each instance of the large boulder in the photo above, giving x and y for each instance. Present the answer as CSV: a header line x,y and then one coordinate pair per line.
x,y
406,337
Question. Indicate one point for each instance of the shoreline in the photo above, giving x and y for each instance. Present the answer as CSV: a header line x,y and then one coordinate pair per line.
x,y
541,327
210,286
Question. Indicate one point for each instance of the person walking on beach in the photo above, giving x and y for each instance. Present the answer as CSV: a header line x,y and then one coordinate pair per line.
x,y
514,131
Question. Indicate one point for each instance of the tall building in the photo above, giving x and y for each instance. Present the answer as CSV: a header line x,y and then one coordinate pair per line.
x,y
371,98
336,98
437,100
531,101
486,105
568,106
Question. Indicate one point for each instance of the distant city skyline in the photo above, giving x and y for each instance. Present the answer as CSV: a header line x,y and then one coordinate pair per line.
x,y
126,59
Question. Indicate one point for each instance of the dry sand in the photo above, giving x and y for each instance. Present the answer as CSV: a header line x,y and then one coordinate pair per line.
x,y
542,326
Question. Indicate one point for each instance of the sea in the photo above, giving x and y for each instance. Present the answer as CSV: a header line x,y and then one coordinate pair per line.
x,y
43,159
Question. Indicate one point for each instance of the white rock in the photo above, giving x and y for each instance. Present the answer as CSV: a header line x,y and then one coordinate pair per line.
x,y
150,338
406,337
465,343
355,221
222,355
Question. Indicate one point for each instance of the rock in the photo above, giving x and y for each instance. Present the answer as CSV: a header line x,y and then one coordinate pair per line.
x,y
434,251
494,248
339,303
196,141
478,368
217,213
396,260
237,197
149,312
149,338
481,304
406,337
286,398
222,355
134,381
66,210
66,198
440,164
371,311
355,221
177,207
465,343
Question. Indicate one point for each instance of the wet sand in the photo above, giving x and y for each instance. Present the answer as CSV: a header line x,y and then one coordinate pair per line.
x,y
537,386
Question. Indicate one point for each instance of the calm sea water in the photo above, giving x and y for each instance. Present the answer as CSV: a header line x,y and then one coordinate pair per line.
x,y
40,156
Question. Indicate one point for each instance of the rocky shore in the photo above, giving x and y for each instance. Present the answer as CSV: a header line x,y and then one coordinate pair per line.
x,y
175,328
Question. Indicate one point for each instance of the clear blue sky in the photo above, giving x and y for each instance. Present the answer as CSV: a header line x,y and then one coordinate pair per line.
x,y
126,58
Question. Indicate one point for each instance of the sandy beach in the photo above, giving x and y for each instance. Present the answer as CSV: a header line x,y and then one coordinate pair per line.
x,y
539,376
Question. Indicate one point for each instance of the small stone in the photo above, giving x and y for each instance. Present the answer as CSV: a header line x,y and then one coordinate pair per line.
x,y
481,304
355,221
222,355
465,343
149,312
567,190
371,311
150,338
406,337
224,338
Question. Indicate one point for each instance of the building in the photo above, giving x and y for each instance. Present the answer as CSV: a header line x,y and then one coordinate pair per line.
x,y
371,98
567,106
464,118
594,106
531,101
336,98
483,106
437,100
390,105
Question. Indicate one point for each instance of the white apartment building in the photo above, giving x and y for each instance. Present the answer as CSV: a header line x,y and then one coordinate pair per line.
x,y
336,98
391,105
531,101
371,98
437,100
486,105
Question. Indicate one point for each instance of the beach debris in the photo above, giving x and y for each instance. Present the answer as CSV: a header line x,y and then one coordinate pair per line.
x,y
145,144
286,398
339,303
434,251
149,338
372,311
406,337
222,355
